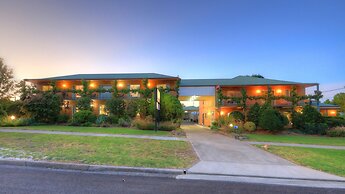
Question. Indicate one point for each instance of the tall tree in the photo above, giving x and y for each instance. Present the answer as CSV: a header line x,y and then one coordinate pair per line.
x,y
258,76
6,80
339,99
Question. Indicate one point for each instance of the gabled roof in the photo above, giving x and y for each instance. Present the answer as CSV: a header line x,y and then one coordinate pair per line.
x,y
108,76
238,81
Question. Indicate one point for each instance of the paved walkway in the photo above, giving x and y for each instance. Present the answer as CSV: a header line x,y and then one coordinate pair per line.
x,y
297,145
94,134
223,155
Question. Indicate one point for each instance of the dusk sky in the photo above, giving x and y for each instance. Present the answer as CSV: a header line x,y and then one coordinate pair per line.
x,y
292,40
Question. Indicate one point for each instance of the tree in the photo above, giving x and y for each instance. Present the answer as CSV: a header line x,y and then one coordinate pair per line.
x,y
339,99
85,101
258,76
171,108
6,80
25,90
254,114
328,102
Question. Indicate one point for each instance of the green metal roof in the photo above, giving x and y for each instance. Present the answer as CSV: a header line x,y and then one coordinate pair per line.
x,y
237,81
109,76
323,105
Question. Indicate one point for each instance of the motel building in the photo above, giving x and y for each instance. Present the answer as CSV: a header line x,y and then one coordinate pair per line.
x,y
198,96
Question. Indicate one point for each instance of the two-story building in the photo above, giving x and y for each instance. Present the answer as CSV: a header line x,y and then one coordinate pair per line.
x,y
197,95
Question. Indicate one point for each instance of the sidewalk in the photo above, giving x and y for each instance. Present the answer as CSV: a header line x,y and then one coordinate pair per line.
x,y
296,145
94,134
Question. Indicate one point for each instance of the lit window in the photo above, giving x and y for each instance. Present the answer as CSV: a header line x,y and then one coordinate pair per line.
x,y
78,87
134,87
46,88
162,86
102,110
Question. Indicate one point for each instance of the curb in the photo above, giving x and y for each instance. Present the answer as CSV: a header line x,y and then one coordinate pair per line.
x,y
267,177
90,168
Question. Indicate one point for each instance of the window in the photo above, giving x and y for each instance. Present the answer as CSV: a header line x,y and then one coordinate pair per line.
x,y
78,87
233,93
287,92
46,88
102,110
105,95
134,87
164,86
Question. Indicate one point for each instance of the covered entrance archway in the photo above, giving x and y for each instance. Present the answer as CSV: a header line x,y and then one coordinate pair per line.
x,y
199,104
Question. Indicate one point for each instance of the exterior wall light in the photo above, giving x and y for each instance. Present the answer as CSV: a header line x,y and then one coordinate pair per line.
x,y
279,91
120,85
12,117
64,85
231,125
92,85
221,113
258,91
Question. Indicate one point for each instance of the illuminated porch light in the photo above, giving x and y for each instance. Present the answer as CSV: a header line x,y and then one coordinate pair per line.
x,y
64,85
258,91
279,91
120,85
12,117
221,113
333,112
92,85
231,125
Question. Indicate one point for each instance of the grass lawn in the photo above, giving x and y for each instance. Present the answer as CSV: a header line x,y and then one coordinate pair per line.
x,y
98,150
109,130
300,139
327,160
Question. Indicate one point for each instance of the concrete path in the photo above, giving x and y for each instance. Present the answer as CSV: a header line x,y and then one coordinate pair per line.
x,y
94,134
297,145
221,155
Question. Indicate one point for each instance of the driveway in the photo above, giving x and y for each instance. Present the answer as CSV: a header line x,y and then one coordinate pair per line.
x,y
222,155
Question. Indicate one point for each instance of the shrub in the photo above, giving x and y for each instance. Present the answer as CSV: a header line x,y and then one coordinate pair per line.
x,y
167,126
124,122
112,119
315,128
44,108
116,106
144,124
63,118
297,120
132,108
249,126
336,132
254,113
311,115
334,121
84,103
237,116
214,125
102,120
272,120
84,117
7,122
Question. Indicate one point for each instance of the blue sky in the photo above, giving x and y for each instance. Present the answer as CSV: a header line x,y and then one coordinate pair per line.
x,y
294,40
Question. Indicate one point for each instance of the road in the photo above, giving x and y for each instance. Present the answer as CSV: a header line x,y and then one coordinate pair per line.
x,y
14,179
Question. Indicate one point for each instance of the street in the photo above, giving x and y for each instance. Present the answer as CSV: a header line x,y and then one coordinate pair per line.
x,y
14,179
